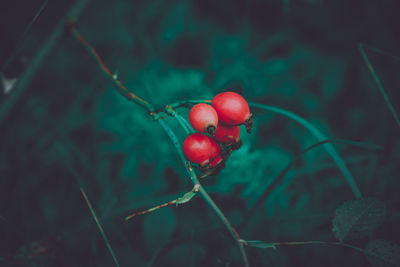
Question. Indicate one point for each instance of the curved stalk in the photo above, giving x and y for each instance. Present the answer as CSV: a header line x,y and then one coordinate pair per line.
x,y
152,111
310,127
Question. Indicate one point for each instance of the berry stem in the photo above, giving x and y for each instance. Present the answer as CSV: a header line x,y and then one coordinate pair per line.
x,y
273,245
154,112
204,193
186,103
184,123
310,127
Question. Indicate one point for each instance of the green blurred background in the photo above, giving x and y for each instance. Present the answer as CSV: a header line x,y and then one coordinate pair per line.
x,y
71,128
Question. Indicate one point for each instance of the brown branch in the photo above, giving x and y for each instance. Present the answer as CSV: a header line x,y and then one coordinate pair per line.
x,y
71,25
153,111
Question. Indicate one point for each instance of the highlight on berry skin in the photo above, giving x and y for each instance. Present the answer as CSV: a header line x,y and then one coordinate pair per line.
x,y
232,110
203,118
215,157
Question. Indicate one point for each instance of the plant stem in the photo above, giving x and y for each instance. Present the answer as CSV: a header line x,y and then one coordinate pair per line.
x,y
320,137
184,123
117,84
261,244
378,81
204,193
103,234
278,179
170,110
227,223
186,102
314,131
319,243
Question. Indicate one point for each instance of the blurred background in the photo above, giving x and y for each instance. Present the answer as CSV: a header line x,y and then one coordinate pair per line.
x,y
70,128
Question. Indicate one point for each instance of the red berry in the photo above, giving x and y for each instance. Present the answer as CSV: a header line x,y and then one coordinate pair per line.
x,y
215,157
203,118
215,161
232,109
201,149
226,134
215,149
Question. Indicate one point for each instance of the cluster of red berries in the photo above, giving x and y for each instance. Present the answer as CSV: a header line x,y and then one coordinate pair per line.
x,y
218,130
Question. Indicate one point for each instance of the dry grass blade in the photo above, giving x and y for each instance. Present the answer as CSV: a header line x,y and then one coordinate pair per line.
x,y
103,234
378,82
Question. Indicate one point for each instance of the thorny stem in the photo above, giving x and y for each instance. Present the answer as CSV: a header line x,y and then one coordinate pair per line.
x,y
153,112
117,83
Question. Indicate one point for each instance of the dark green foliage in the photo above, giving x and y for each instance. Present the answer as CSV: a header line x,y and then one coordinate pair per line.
x,y
186,254
158,228
383,253
358,218
71,129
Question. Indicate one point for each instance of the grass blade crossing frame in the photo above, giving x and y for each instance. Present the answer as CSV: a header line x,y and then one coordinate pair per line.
x,y
377,80
314,131
103,234
320,137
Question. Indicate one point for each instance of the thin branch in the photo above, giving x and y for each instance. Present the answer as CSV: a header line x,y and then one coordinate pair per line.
x,y
273,245
378,81
320,137
117,84
103,234
228,225
310,127
272,185
203,192
170,111
180,200
184,123
188,103
379,51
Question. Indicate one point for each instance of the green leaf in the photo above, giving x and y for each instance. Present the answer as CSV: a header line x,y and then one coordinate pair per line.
x,y
383,253
185,198
358,218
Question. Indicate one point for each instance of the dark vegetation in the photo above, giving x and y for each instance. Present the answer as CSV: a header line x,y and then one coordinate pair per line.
x,y
70,129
